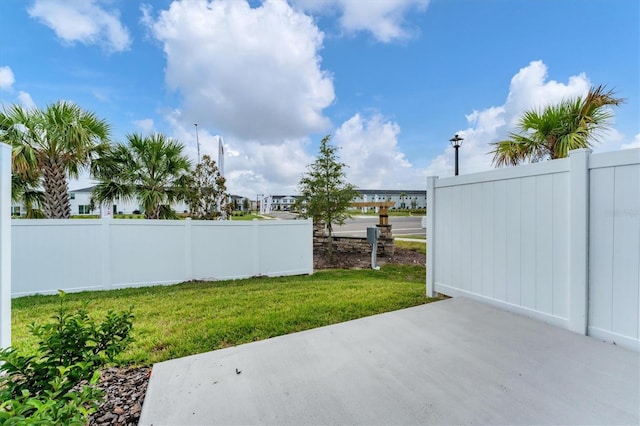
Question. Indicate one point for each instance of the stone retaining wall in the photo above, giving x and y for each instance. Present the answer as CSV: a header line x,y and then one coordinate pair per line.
x,y
353,244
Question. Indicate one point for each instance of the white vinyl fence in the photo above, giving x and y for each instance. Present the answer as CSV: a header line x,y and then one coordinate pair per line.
x,y
5,245
558,241
85,254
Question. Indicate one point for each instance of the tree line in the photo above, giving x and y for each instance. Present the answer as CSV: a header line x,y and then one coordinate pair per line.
x,y
51,145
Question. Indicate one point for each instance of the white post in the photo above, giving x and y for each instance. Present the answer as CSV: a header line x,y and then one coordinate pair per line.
x,y
255,247
188,257
105,223
579,240
5,245
431,222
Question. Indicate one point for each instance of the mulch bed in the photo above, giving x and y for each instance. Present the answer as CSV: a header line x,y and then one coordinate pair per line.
x,y
363,260
126,387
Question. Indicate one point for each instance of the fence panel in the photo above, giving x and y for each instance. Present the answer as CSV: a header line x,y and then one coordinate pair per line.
x,y
558,241
504,240
279,248
614,248
225,251
51,254
75,255
146,252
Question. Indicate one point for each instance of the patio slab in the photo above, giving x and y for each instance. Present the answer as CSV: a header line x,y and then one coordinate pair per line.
x,y
455,361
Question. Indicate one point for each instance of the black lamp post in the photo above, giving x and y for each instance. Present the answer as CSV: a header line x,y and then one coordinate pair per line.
x,y
456,141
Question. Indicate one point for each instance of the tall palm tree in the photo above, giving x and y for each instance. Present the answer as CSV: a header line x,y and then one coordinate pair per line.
x,y
151,169
557,129
49,147
25,175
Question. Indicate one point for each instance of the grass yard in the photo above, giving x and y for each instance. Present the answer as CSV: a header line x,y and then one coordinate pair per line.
x,y
190,318
419,245
247,217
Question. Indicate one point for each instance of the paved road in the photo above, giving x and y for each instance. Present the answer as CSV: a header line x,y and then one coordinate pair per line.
x,y
403,225
357,226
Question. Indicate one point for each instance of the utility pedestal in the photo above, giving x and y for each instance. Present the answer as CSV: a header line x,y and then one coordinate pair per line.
x,y
372,239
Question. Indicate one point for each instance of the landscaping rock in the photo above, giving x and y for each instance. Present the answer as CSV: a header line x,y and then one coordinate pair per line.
x,y
124,389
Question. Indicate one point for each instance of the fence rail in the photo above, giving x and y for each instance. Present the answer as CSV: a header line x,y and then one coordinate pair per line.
x,y
84,254
558,241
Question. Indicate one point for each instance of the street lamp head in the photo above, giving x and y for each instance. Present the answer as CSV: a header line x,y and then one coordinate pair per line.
x,y
456,141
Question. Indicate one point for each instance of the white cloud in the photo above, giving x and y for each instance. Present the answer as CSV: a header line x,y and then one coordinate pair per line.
x,y
144,125
634,144
84,21
267,169
529,88
369,146
6,78
251,72
25,100
250,167
384,19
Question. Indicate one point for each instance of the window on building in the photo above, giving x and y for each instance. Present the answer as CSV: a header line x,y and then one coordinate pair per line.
x,y
86,209
72,195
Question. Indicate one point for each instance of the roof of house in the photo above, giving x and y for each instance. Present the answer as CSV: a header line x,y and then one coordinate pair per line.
x,y
88,189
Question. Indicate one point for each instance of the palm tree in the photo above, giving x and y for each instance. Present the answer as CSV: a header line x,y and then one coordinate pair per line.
x,y
557,129
48,147
151,169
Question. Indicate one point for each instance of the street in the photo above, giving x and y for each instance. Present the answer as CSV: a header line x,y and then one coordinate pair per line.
x,y
401,225
357,225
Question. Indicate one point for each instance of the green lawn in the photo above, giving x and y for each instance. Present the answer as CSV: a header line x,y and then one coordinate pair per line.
x,y
413,237
247,217
185,319
418,245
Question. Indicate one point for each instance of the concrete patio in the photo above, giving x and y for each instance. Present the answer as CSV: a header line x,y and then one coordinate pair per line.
x,y
450,362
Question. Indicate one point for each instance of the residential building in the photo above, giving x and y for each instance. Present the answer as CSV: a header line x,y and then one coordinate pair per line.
x,y
404,199
80,200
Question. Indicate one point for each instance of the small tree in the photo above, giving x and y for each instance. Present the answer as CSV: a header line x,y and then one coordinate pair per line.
x,y
208,199
324,193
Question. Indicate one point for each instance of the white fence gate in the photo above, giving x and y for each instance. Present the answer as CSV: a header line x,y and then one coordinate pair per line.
x,y
85,254
558,241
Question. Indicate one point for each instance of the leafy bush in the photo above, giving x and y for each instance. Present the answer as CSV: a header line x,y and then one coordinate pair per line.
x,y
57,383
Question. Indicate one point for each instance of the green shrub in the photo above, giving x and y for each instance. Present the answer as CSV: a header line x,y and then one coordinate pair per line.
x,y
57,383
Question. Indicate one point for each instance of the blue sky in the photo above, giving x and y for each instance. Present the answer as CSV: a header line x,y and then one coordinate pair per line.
x,y
391,80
